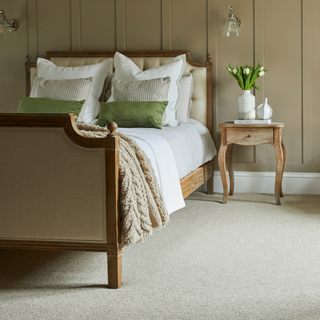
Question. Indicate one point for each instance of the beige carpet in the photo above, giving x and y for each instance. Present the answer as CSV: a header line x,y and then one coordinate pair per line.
x,y
248,259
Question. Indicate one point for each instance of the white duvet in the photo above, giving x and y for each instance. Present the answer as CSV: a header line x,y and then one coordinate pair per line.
x,y
174,152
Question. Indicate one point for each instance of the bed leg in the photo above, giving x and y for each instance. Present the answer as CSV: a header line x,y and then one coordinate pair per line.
x,y
210,186
113,208
114,267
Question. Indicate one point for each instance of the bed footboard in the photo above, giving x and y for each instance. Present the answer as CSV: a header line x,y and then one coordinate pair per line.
x,y
59,190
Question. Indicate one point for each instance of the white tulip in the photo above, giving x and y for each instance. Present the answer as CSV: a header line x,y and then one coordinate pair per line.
x,y
235,71
248,70
261,73
229,69
262,68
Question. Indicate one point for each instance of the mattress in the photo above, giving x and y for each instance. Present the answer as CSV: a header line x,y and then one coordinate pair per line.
x,y
174,152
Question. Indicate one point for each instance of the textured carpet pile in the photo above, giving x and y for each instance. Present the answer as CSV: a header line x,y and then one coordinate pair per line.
x,y
248,259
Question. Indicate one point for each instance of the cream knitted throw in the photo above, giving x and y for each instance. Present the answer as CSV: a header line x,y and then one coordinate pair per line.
x,y
142,203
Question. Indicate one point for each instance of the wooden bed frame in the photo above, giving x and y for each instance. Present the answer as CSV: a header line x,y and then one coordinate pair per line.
x,y
110,145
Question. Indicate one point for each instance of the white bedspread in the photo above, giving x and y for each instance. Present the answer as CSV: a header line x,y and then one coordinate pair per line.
x,y
174,153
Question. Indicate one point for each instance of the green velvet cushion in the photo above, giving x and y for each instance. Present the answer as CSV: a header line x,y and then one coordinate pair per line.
x,y
44,105
132,114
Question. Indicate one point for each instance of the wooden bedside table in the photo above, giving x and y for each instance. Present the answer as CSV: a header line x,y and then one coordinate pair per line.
x,y
250,135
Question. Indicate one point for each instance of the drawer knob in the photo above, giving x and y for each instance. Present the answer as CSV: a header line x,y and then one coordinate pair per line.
x,y
249,135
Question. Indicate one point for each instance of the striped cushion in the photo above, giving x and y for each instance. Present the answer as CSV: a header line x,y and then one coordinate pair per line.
x,y
145,90
70,90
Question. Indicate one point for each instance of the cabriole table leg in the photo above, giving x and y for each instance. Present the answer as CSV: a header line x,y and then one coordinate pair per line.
x,y
230,168
279,169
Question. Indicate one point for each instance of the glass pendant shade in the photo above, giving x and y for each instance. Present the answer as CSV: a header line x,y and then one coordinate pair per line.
x,y
6,26
3,30
232,25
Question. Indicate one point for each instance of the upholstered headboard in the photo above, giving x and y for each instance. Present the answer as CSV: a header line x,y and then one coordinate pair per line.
x,y
201,101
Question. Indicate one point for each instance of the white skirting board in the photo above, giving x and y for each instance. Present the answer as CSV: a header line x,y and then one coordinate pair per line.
x,y
263,182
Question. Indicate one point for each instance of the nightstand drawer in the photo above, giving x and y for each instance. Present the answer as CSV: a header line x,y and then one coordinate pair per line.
x,y
250,136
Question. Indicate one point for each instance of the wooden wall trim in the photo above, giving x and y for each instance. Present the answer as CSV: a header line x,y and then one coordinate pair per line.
x,y
120,25
75,25
259,57
307,92
32,28
166,24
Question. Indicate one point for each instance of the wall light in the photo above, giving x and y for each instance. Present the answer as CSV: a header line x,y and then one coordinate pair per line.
x,y
232,25
6,26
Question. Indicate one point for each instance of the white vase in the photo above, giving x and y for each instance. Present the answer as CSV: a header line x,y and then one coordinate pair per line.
x,y
246,106
264,111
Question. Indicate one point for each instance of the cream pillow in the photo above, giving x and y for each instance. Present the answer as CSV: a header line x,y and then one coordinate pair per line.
x,y
125,69
183,107
69,90
48,70
145,90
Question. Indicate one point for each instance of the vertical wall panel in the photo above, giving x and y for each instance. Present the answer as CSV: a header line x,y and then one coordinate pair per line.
x,y
32,28
75,25
189,27
120,25
98,25
307,67
314,86
283,81
166,24
54,25
12,56
143,24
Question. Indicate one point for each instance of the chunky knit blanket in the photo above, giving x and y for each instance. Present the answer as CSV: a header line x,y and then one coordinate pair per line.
x,y
142,206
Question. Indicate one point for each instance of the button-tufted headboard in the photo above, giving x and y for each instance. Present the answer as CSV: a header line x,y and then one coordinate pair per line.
x,y
201,101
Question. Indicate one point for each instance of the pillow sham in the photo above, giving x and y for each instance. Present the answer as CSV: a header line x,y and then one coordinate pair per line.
x,y
44,105
145,90
76,89
125,69
48,70
183,107
132,114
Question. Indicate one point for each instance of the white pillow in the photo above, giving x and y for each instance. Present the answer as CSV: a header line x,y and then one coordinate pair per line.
x,y
90,110
125,69
183,107
33,92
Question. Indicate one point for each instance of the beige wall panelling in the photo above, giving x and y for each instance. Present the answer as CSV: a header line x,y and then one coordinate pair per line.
x,y
75,25
237,51
120,25
283,81
212,49
54,25
259,58
312,87
98,24
32,29
307,103
189,27
143,24
12,56
166,24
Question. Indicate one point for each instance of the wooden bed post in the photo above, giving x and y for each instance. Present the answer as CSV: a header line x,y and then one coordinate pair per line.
x,y
27,65
114,251
209,65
